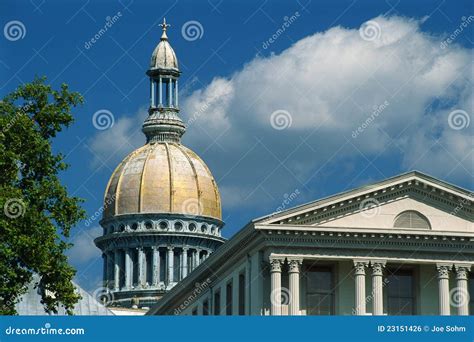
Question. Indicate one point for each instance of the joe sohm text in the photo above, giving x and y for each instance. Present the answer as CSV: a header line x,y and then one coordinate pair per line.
x,y
421,328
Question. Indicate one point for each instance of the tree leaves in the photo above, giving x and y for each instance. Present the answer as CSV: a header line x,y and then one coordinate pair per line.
x,y
38,213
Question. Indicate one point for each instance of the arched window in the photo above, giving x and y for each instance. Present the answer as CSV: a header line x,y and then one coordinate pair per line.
x,y
411,219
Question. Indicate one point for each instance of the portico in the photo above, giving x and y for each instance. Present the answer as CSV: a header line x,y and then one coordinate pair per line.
x,y
367,274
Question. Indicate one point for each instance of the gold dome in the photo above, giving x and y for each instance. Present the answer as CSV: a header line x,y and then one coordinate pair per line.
x,y
162,177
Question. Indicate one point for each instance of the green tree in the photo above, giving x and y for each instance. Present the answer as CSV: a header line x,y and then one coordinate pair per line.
x,y
36,213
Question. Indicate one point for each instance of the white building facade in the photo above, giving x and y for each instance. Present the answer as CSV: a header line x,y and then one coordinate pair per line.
x,y
403,246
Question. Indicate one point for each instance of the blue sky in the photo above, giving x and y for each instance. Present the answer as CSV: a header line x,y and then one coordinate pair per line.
x,y
321,73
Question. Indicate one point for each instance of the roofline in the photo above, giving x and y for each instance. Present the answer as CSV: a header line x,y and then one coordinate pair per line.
x,y
413,173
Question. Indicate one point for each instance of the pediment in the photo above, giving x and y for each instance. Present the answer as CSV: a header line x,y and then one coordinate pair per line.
x,y
405,200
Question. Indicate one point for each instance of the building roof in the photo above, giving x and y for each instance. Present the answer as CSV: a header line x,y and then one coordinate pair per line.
x,y
404,177
30,302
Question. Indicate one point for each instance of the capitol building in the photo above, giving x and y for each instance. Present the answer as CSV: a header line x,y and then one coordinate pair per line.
x,y
401,246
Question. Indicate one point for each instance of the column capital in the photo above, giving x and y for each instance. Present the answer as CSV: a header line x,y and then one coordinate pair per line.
x,y
275,264
170,248
462,271
443,270
377,267
294,265
359,266
185,249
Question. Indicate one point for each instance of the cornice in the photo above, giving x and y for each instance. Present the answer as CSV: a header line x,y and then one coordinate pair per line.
x,y
459,203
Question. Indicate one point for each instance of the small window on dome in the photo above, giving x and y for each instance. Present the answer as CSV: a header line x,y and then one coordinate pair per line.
x,y
178,226
122,227
148,225
192,227
163,225
411,219
135,226
204,228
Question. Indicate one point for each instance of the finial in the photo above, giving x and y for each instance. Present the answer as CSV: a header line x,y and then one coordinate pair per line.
x,y
164,26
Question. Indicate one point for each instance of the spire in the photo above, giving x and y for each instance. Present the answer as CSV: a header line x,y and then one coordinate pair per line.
x,y
163,122
164,26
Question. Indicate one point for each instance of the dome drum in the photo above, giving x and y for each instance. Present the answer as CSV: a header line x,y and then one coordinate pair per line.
x,y
162,224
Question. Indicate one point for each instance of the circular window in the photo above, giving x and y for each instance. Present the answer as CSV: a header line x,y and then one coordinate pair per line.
x,y
204,228
178,226
122,228
192,227
135,226
148,225
213,230
163,224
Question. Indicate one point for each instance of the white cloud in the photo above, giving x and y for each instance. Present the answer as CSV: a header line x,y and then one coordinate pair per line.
x,y
111,145
331,83
84,249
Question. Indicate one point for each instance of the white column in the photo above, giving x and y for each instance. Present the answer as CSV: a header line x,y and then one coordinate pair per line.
x,y
170,265
110,269
179,266
185,262
275,279
462,295
360,298
116,269
153,92
156,266
170,92
198,256
294,279
141,267
377,287
176,93
160,91
128,268
193,260
104,270
443,287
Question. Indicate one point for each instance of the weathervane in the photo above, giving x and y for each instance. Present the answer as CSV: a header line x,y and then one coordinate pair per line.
x,y
164,26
